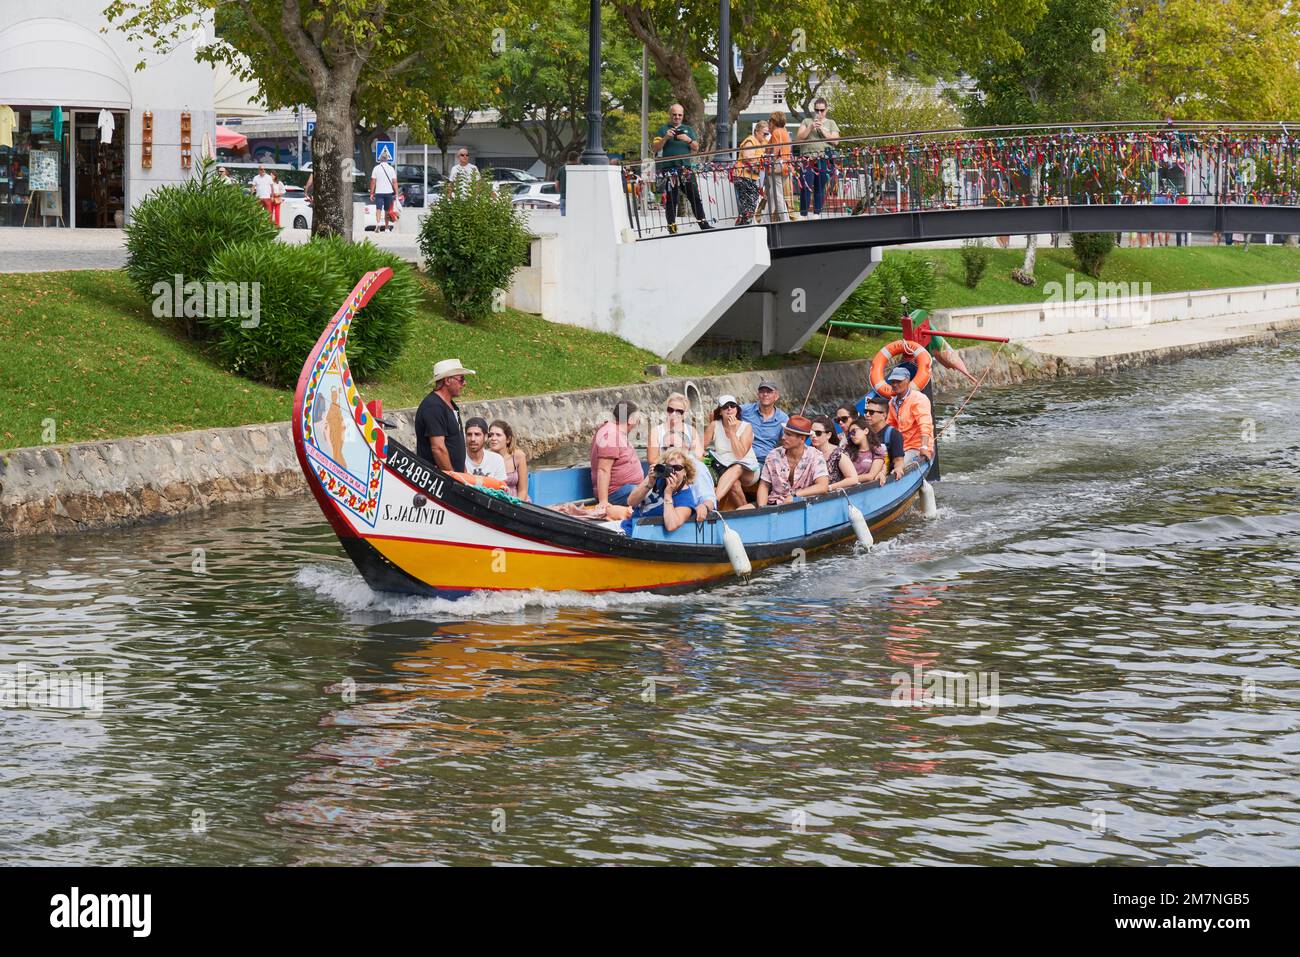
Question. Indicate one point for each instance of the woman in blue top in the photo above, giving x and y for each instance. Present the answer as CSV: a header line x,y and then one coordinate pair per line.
x,y
671,497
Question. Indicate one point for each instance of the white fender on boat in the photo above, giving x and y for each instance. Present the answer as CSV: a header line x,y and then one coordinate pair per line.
x,y
860,526
928,508
736,551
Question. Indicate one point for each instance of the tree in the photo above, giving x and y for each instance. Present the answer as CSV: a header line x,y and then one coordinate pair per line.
x,y
540,78
874,102
1063,73
348,59
814,39
1228,60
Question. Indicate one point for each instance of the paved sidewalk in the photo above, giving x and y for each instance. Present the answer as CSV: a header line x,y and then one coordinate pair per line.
x,y
53,249
1166,337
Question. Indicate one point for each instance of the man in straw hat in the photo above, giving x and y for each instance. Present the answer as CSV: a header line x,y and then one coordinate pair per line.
x,y
439,437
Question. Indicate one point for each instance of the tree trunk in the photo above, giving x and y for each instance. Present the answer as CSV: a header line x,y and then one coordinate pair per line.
x,y
1031,255
333,168
1031,241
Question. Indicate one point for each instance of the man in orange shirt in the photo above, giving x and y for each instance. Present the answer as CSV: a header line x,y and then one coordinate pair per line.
x,y
909,412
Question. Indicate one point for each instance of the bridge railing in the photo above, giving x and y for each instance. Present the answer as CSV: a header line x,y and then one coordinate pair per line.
x,y
1079,164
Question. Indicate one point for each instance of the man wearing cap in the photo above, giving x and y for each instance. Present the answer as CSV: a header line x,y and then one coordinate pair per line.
x,y
909,412
765,418
438,435
795,469
480,460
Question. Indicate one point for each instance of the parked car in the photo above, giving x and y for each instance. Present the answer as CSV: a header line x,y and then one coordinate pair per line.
x,y
539,195
505,174
295,211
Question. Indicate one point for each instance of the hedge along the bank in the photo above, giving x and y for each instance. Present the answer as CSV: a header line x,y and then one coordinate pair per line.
x,y
297,289
179,230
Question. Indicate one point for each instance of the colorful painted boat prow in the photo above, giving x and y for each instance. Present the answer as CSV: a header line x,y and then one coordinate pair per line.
x,y
411,528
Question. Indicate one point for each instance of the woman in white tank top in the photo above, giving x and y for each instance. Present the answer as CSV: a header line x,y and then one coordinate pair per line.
x,y
730,440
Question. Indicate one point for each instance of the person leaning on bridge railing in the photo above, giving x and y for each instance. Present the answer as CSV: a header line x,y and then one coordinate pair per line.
x,y
675,141
778,170
748,169
817,136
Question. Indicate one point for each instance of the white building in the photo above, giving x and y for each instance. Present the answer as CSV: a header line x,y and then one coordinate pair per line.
x,y
61,82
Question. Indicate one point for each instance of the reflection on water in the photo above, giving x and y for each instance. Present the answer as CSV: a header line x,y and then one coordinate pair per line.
x,y
1112,553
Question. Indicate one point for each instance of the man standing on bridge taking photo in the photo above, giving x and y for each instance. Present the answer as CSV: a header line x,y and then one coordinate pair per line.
x,y
676,138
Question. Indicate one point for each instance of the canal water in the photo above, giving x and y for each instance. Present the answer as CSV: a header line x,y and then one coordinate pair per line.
x,y
1092,656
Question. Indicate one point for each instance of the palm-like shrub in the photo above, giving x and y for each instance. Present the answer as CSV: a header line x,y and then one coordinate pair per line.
x,y
379,334
299,288
179,230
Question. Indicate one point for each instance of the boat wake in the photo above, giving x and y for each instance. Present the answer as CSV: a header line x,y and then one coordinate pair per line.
x,y
347,589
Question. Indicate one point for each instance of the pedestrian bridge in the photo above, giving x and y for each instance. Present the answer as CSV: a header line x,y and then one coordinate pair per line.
x,y
771,276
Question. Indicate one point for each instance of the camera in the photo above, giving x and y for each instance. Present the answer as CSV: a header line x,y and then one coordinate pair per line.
x,y
661,473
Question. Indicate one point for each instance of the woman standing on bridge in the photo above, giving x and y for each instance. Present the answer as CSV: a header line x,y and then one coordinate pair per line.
x,y
778,180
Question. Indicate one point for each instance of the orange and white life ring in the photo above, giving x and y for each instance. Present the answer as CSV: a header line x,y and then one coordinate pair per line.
x,y
914,351
482,481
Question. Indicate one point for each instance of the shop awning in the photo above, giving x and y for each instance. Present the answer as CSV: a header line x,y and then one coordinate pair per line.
x,y
228,139
55,62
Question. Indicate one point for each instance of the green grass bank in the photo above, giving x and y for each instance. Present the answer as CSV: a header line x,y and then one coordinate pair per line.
x,y
82,354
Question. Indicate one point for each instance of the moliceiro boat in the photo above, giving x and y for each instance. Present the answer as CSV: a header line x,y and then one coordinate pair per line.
x,y
411,528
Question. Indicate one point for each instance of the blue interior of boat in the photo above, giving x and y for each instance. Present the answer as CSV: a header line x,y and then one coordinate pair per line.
x,y
772,524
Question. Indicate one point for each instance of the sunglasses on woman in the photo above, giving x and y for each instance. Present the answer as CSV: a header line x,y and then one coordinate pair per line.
x,y
731,405
819,432
672,411
842,418
678,468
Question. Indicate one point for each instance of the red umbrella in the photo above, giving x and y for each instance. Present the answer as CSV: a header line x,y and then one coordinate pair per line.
x,y
228,139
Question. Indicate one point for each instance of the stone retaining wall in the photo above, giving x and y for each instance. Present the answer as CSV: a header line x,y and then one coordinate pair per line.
x,y
69,488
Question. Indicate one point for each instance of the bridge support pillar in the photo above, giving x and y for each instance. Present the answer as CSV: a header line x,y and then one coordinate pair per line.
x,y
794,297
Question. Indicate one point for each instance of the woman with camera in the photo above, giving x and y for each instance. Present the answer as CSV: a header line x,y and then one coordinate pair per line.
x,y
730,441
665,491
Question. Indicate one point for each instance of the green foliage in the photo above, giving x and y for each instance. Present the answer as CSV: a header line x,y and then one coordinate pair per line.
x,y
299,288
540,78
1091,250
1228,60
379,335
298,292
878,298
975,260
1065,71
180,229
875,103
473,239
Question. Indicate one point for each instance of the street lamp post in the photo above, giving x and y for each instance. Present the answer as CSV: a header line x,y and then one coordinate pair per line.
x,y
724,75
594,154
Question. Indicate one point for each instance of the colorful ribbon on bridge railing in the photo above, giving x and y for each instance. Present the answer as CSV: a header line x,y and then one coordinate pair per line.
x,y
1088,166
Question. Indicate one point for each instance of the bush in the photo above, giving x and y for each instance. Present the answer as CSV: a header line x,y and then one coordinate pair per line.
x,y
473,239
379,335
878,298
1091,250
181,229
975,260
300,288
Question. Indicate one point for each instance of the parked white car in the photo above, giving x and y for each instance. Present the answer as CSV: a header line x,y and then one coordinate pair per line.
x,y
539,195
295,211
